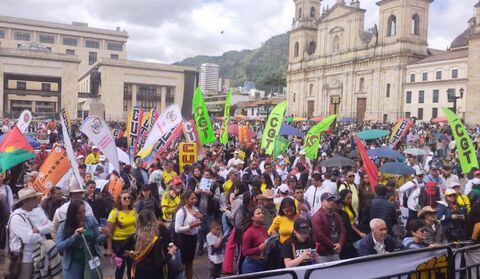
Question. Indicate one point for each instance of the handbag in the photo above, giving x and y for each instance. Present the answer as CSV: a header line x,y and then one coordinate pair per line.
x,y
13,260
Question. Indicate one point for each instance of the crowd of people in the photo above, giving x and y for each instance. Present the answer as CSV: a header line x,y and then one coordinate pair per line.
x,y
240,206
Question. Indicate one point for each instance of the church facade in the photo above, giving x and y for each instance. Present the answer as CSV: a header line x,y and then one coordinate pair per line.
x,y
338,67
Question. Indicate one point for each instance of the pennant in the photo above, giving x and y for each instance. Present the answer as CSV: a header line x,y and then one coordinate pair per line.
x,y
69,148
56,165
272,127
243,136
187,154
191,135
65,115
14,149
144,129
226,119
281,145
24,120
465,148
133,127
368,165
202,119
312,139
399,131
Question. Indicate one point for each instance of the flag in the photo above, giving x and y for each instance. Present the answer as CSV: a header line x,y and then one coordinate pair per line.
x,y
144,129
24,120
68,146
187,155
272,127
226,119
399,131
368,165
281,145
202,119
14,149
191,135
55,167
312,140
243,135
66,120
115,186
465,148
133,127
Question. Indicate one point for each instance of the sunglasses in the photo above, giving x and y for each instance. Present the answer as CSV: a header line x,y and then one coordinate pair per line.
x,y
125,198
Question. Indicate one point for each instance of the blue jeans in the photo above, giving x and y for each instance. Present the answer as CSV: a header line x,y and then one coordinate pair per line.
x,y
251,266
225,225
74,272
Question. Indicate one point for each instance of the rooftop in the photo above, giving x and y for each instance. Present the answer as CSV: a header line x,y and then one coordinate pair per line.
x,y
443,56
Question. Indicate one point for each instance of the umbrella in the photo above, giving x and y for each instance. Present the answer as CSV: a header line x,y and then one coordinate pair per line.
x,y
298,119
415,151
287,130
353,154
317,119
373,134
337,161
397,168
346,120
439,119
34,143
385,152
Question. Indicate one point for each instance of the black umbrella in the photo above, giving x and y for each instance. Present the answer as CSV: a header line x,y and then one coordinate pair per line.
x,y
353,154
338,162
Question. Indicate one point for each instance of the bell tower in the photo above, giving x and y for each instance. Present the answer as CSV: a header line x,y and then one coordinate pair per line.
x,y
303,37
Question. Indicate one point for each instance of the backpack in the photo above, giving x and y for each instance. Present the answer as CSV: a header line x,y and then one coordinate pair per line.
x,y
407,194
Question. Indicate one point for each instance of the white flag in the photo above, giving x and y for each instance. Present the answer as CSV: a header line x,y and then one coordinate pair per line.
x,y
24,120
99,133
68,146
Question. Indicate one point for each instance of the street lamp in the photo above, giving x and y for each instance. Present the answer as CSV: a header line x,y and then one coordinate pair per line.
x,y
452,97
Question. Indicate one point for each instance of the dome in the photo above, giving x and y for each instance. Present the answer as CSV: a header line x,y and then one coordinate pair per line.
x,y
34,47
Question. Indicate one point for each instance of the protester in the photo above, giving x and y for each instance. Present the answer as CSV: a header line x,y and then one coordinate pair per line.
x,y
350,185
433,227
381,208
171,199
416,228
268,207
315,192
216,245
452,216
53,201
378,241
299,249
253,242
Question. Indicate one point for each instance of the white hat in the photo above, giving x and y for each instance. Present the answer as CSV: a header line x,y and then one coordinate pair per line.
x,y
103,158
283,188
80,157
27,193
238,162
94,147
280,157
431,153
449,192
236,152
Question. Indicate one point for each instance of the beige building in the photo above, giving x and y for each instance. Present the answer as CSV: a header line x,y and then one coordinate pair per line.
x,y
46,66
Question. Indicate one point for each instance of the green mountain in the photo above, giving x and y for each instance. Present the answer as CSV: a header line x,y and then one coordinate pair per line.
x,y
266,65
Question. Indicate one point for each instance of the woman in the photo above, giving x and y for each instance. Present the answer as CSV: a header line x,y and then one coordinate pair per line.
x,y
282,225
452,216
194,180
299,249
149,248
346,197
473,223
187,222
365,195
171,199
253,243
344,208
73,235
146,201
121,224
418,235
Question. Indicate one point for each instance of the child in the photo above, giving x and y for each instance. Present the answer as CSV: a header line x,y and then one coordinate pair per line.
x,y
215,249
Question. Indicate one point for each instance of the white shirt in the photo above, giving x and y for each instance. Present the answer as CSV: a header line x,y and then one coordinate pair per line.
x,y
182,223
215,255
408,189
379,246
313,195
470,183
61,214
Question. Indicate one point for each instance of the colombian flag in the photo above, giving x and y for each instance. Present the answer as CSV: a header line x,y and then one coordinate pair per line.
x,y
14,149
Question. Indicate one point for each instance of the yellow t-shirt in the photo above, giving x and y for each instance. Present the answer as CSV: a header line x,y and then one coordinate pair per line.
x,y
169,205
128,221
92,159
283,226
167,176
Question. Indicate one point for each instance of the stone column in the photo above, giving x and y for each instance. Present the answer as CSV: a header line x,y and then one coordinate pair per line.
x,y
164,96
134,95
158,106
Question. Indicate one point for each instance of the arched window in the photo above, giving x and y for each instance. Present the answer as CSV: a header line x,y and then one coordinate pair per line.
x,y
361,86
416,25
336,43
312,12
294,95
311,89
312,46
296,49
392,26
299,13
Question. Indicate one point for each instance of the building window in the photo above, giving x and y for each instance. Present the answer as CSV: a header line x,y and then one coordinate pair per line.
x,y
115,46
2,33
421,97
70,51
147,96
170,98
92,58
436,95
21,36
408,114
392,26
409,97
455,73
438,75
296,49
312,12
46,38
336,43
300,13
46,87
420,114
114,56
416,25
311,90
294,95
92,43
385,118
412,77
362,84
68,41
434,112
424,76
49,49
22,85
312,47
388,90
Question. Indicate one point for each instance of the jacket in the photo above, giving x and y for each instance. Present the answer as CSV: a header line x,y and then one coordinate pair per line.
x,y
269,180
381,208
453,229
367,245
321,232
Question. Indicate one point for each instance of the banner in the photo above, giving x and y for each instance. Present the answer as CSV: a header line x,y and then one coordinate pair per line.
x,y
187,154
117,133
170,118
226,119
243,137
144,129
67,142
465,149
399,131
281,145
368,165
66,116
272,127
191,135
115,186
99,134
56,165
133,127
24,120
202,119
312,139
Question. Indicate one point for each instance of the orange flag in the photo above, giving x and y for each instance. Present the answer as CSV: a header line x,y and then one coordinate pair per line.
x,y
53,169
115,186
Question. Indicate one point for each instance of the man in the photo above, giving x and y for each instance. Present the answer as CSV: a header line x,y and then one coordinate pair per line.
x,y
433,228
448,177
301,159
381,208
6,194
238,165
315,192
378,241
473,183
406,191
28,227
434,175
168,173
269,175
268,160
61,213
412,162
231,162
328,230
303,207
350,185
268,207
429,195
94,157
140,173
251,172
232,177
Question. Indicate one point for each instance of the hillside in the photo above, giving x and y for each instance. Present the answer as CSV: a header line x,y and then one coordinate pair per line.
x,y
266,65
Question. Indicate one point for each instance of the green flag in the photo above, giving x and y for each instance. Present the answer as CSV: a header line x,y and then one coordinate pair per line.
x,y
202,119
226,119
313,137
272,127
281,145
465,149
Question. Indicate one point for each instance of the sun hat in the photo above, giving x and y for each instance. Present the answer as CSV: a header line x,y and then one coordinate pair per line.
x,y
27,193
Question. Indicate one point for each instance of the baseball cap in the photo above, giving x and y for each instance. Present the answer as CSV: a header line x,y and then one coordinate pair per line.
x,y
449,192
283,188
280,157
301,225
328,196
94,147
477,172
239,162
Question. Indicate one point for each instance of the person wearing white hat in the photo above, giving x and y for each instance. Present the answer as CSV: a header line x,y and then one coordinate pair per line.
x,y
462,199
231,162
409,210
28,226
448,176
94,157
301,159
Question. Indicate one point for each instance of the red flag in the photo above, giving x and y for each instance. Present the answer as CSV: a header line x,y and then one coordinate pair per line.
x,y
368,165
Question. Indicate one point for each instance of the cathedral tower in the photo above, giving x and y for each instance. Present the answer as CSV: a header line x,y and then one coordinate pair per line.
x,y
303,37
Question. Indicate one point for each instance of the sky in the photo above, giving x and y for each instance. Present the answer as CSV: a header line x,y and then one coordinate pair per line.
x,y
170,30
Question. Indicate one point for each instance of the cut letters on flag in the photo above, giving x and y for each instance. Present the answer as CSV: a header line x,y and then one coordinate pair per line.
x,y
312,140
272,127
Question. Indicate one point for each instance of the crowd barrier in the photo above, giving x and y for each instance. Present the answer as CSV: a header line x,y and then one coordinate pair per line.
x,y
445,262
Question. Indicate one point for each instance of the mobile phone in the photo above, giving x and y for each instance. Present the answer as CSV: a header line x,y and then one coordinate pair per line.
x,y
103,222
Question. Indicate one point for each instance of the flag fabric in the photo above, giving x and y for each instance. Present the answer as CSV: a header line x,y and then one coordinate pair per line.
x,y
243,135
399,131
202,119
226,119
144,129
312,140
69,148
272,127
66,120
55,167
281,145
465,149
115,186
24,120
14,149
187,155
133,127
191,135
368,165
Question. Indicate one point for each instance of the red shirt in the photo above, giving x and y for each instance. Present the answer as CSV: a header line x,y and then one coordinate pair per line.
x,y
252,238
